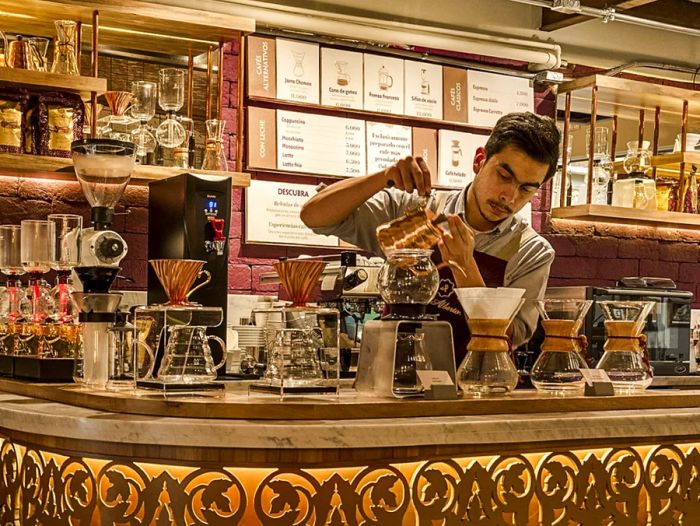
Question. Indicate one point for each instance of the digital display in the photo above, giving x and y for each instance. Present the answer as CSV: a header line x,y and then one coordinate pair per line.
x,y
211,207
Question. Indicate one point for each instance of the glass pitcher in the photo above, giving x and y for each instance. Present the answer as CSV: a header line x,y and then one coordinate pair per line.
x,y
214,153
638,158
625,358
188,358
410,358
65,56
557,369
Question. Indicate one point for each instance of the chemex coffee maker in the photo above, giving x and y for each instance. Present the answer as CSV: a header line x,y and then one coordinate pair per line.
x,y
406,340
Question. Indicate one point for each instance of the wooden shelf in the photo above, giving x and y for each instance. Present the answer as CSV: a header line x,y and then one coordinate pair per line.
x,y
60,168
53,81
630,216
372,116
129,24
625,97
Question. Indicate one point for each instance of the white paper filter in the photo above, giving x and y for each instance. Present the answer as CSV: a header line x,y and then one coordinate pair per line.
x,y
485,302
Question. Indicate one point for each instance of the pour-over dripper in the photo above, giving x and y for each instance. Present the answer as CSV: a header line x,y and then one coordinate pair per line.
x,y
488,368
177,277
625,358
557,370
118,102
103,168
299,277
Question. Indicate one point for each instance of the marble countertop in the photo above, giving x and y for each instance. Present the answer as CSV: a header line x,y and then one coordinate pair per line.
x,y
35,416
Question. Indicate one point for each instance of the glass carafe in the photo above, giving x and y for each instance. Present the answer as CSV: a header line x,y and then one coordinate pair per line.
x,y
65,55
557,370
188,357
638,158
214,152
488,368
124,355
408,281
410,358
626,359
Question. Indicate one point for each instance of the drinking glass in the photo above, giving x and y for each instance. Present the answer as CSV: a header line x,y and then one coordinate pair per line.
x,y
143,108
10,258
12,295
171,97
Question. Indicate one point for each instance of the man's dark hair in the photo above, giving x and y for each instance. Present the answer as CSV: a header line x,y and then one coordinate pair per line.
x,y
536,135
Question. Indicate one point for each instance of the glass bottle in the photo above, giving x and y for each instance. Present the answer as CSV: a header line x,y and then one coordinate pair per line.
x,y
625,358
214,153
557,369
65,56
488,368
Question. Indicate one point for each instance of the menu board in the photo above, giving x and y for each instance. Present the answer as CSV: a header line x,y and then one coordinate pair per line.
x,y
262,138
386,144
261,67
457,151
492,96
454,88
425,146
341,78
297,71
423,89
275,216
383,84
320,144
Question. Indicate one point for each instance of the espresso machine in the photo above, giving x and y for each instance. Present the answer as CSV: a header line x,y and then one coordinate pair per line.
x,y
189,217
406,341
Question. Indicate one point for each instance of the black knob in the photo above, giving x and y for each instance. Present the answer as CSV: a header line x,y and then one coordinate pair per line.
x,y
111,247
354,279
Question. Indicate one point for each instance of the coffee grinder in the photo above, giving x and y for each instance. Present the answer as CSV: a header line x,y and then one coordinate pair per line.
x,y
406,341
103,168
189,218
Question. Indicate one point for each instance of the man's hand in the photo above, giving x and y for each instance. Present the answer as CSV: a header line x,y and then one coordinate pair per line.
x,y
457,250
409,174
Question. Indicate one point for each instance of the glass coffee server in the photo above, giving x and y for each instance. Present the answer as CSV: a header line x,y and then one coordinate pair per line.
x,y
143,108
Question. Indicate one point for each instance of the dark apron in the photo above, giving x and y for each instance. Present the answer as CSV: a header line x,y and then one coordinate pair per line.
x,y
447,306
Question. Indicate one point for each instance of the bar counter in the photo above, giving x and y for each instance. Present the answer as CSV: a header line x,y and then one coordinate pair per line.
x,y
103,458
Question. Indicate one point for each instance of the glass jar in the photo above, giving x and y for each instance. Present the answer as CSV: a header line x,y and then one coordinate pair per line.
x,y
625,358
557,369
408,281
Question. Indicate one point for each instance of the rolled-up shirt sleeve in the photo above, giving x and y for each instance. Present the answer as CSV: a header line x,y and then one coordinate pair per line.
x,y
529,270
360,227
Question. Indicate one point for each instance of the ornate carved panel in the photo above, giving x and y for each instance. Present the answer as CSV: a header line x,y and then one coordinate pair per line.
x,y
657,485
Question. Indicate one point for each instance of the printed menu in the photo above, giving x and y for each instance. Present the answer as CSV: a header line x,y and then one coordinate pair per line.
x,y
297,71
456,155
383,84
341,78
423,89
320,144
386,144
275,216
491,96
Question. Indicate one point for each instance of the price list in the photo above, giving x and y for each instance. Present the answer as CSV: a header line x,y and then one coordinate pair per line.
x,y
320,144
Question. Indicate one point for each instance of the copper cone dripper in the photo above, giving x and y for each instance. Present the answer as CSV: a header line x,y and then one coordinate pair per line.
x,y
118,101
177,276
299,277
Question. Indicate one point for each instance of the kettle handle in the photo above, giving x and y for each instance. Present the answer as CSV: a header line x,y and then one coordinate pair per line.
x,y
223,351
201,273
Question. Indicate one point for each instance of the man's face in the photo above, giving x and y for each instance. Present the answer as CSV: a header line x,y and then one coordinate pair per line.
x,y
506,182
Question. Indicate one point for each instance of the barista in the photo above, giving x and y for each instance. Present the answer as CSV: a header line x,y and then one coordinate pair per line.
x,y
486,245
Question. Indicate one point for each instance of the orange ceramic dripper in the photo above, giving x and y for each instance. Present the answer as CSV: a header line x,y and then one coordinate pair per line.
x,y
177,276
299,277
